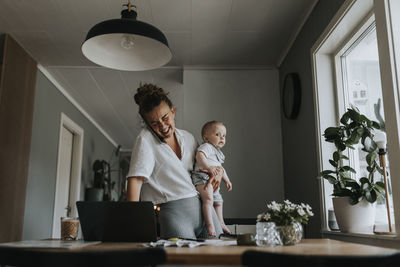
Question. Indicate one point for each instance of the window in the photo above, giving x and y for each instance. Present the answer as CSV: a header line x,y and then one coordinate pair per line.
x,y
354,64
359,74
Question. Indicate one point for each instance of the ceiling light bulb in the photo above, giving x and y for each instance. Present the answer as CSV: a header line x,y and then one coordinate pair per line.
x,y
127,41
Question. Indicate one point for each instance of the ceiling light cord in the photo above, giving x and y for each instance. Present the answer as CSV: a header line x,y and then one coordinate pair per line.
x,y
129,13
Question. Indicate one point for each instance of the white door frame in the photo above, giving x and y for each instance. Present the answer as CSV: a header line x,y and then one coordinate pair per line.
x,y
76,168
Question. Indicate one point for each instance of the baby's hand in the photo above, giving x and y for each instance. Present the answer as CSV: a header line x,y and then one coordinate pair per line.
x,y
229,185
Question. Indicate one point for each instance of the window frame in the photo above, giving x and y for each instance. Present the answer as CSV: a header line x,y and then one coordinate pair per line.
x,y
361,30
353,18
388,35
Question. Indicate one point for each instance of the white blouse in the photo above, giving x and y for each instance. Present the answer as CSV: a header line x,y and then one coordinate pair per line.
x,y
166,176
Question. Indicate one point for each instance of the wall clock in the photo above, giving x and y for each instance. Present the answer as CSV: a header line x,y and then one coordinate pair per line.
x,y
291,96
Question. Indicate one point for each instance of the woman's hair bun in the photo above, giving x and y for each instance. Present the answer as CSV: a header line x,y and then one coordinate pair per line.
x,y
146,90
148,96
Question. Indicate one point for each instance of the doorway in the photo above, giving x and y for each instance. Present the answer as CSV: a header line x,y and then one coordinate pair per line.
x,y
69,165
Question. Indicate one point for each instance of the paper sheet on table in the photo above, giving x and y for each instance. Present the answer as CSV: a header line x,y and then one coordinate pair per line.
x,y
219,242
192,244
49,244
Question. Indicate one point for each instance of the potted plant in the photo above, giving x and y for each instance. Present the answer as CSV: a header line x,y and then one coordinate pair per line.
x,y
354,200
100,183
284,219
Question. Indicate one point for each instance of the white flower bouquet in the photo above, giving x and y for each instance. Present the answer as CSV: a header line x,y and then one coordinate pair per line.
x,y
286,213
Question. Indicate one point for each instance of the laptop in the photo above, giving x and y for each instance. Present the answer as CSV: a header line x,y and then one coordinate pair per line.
x,y
117,221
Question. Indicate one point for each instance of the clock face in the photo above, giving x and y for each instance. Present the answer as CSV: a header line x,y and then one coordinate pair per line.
x,y
291,96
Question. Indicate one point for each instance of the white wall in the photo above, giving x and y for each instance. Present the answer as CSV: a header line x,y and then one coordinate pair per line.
x,y
247,102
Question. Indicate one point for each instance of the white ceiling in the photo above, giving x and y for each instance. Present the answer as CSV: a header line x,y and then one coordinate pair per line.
x,y
234,33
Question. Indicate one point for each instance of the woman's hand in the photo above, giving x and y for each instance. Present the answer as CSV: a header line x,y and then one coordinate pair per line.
x,y
215,180
213,170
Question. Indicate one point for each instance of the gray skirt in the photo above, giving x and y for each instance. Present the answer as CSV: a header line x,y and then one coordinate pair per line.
x,y
183,218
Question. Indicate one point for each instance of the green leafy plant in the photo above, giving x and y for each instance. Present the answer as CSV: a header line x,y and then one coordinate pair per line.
x,y
353,129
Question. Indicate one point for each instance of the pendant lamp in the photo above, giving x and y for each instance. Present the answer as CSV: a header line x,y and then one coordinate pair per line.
x,y
126,44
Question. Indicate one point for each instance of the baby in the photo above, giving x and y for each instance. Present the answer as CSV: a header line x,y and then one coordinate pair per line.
x,y
209,157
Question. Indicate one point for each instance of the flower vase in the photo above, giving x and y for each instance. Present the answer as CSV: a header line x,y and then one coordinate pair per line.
x,y
290,234
266,234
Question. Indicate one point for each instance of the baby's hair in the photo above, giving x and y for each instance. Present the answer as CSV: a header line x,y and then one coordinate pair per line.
x,y
149,96
207,126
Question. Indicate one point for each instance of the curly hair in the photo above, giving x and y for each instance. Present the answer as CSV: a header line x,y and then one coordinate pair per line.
x,y
149,96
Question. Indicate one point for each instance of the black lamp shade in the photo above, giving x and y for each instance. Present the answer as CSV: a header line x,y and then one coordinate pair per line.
x,y
126,44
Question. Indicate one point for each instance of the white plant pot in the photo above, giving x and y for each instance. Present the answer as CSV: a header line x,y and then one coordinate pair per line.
x,y
359,218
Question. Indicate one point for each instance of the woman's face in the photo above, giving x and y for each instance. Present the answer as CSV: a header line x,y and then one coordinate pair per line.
x,y
162,120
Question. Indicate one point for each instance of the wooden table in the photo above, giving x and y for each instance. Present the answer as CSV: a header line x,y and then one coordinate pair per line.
x,y
232,254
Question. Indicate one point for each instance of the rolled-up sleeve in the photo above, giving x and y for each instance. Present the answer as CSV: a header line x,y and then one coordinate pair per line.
x,y
142,160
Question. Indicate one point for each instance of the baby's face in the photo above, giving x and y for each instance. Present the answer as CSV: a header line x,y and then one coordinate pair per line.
x,y
216,135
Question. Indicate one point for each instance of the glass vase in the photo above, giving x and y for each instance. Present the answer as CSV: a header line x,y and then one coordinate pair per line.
x,y
267,235
290,234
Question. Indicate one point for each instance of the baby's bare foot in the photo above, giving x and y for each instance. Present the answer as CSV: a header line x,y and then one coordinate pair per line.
x,y
211,230
225,229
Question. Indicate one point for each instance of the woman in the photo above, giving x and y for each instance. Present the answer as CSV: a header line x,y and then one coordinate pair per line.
x,y
161,161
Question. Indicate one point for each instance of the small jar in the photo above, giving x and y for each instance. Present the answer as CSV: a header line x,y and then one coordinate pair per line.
x,y
69,228
266,234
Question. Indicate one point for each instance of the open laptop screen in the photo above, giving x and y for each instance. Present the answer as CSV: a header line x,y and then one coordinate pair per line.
x,y
117,221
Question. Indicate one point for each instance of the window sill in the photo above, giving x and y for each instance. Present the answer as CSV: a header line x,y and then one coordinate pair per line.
x,y
327,232
391,241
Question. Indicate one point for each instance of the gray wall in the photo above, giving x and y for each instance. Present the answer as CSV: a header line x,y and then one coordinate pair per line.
x,y
299,141
48,105
247,102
